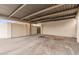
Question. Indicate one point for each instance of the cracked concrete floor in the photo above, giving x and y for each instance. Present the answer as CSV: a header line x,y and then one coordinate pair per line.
x,y
37,45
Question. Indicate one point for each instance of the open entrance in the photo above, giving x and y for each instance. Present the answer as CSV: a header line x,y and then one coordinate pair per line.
x,y
38,30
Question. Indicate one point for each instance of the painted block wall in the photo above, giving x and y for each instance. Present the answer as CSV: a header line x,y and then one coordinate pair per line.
x,y
19,30
10,29
3,30
61,28
33,30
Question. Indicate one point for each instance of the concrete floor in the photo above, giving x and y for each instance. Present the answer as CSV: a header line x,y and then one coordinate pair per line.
x,y
38,45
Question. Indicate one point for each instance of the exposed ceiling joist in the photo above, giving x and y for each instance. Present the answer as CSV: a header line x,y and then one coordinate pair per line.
x,y
55,14
41,11
56,19
18,9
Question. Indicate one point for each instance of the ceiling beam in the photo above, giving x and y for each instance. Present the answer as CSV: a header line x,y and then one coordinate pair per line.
x,y
55,14
55,19
41,11
58,19
18,9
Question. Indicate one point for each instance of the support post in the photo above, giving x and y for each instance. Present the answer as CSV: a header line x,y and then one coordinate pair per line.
x,y
30,29
77,18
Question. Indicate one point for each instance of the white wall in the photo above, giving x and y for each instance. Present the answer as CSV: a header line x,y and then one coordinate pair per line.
x,y
3,30
61,28
19,30
33,30
77,19
5,27
10,29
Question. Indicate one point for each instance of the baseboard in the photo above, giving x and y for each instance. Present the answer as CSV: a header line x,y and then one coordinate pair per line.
x,y
19,36
57,36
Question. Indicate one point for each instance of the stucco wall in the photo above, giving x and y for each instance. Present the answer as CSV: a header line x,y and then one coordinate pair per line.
x,y
60,28
3,30
19,30
33,30
10,29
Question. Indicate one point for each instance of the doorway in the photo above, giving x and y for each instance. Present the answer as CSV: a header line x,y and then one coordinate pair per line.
x,y
38,30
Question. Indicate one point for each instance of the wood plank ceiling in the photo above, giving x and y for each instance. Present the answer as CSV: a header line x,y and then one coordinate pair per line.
x,y
37,13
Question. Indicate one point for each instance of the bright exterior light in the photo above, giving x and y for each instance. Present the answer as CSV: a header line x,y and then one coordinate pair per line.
x,y
36,24
5,21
